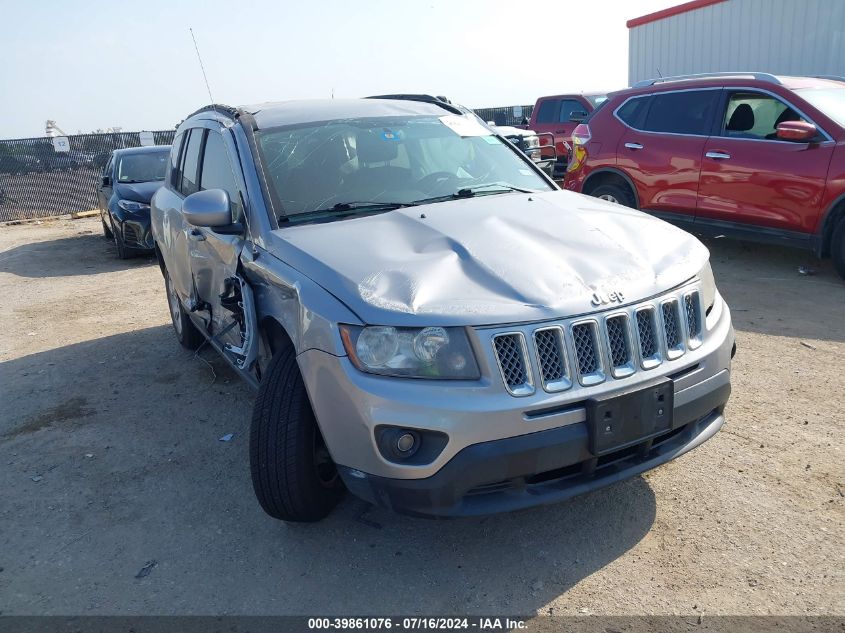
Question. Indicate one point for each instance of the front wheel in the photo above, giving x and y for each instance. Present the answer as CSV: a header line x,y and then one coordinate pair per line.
x,y
615,193
106,230
293,474
186,332
122,251
837,248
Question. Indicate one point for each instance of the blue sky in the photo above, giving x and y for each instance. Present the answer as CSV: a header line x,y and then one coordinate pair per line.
x,y
94,64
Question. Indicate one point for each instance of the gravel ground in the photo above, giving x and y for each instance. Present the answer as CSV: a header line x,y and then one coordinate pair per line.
x,y
119,498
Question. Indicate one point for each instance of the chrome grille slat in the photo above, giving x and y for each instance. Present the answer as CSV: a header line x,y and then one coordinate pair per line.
x,y
691,305
619,352
673,331
619,345
585,348
587,352
649,342
550,347
513,363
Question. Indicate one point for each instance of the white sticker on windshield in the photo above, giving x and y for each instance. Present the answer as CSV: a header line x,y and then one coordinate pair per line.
x,y
464,126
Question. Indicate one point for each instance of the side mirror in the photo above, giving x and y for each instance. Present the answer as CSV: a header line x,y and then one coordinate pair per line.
x,y
106,181
577,116
208,208
801,131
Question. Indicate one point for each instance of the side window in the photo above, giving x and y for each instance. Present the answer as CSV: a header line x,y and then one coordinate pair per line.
x,y
190,163
567,107
548,111
173,174
633,112
107,168
755,115
688,112
217,171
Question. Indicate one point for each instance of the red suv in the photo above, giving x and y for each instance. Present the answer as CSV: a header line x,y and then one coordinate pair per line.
x,y
747,155
559,115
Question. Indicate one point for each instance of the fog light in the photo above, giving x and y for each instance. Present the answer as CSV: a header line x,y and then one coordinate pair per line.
x,y
405,442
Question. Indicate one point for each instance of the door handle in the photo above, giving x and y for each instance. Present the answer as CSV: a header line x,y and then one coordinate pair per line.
x,y
634,146
560,131
718,155
196,235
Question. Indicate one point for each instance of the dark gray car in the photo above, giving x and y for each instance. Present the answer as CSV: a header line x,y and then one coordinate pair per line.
x,y
428,320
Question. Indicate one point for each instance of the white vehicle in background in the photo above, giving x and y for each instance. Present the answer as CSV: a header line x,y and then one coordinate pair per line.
x,y
528,141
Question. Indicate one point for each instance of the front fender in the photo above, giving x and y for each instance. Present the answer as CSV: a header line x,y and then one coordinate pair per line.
x,y
308,313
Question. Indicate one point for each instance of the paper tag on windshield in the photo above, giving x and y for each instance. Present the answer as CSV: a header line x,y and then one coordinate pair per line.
x,y
464,126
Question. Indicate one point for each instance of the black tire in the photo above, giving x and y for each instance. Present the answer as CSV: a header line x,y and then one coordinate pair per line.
x,y
120,246
106,230
187,333
292,473
837,248
615,193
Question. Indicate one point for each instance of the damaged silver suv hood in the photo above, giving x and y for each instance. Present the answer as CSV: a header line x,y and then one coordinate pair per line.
x,y
493,259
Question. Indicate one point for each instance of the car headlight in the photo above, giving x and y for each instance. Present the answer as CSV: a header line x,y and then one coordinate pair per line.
x,y
131,205
708,287
430,352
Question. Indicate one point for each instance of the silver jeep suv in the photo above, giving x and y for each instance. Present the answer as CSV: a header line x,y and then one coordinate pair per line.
x,y
428,320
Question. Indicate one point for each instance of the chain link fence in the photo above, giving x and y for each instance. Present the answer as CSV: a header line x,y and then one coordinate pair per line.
x,y
506,115
37,181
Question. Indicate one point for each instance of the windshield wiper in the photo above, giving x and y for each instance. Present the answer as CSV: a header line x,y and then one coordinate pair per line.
x,y
344,208
468,192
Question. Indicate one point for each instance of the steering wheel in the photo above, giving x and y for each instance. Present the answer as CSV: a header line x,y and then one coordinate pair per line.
x,y
426,183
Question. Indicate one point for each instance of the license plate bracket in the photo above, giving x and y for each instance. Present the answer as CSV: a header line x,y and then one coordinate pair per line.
x,y
623,418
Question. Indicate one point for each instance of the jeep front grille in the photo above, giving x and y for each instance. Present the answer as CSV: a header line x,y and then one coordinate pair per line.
x,y
513,363
600,347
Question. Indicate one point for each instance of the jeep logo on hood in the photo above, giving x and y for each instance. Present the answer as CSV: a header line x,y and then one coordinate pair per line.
x,y
603,298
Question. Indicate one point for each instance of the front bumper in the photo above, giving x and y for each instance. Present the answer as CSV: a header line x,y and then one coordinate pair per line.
x,y
536,469
512,449
134,229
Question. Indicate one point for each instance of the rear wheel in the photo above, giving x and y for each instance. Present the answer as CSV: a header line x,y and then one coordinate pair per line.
x,y
293,474
837,248
615,193
186,332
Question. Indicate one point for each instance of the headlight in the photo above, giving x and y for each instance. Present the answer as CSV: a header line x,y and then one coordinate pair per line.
x,y
131,205
431,352
708,287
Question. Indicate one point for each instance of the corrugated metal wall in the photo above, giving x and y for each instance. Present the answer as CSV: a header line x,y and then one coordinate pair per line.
x,y
786,37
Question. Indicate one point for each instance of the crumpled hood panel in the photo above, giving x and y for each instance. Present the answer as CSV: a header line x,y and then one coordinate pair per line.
x,y
492,259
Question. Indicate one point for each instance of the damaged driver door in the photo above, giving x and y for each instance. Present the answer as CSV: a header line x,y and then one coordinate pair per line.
x,y
219,296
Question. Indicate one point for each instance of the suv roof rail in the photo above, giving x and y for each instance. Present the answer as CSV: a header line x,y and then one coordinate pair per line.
x,y
217,107
443,102
768,77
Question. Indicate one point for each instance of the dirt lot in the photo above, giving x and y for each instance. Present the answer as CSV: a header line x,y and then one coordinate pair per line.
x,y
119,498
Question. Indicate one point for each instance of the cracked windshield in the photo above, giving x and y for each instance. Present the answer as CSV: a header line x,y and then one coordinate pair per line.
x,y
389,161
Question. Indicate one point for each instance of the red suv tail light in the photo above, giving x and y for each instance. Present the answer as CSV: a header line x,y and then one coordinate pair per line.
x,y
581,134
